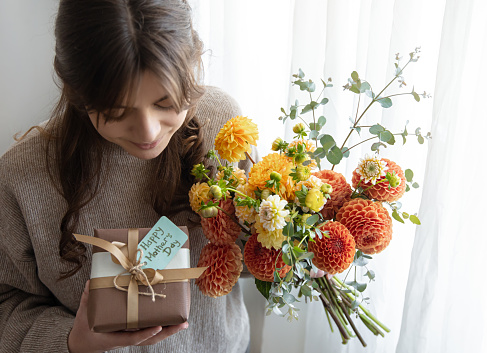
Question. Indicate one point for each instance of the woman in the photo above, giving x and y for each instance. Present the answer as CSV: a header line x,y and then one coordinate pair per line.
x,y
130,124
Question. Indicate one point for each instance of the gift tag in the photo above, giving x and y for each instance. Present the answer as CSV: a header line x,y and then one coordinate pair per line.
x,y
162,243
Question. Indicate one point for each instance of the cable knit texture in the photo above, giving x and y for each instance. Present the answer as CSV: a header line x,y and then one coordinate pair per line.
x,y
37,311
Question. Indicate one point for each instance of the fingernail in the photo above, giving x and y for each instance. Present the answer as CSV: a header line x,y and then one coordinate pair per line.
x,y
157,330
185,326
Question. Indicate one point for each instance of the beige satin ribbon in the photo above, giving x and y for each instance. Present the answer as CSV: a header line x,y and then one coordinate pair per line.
x,y
132,265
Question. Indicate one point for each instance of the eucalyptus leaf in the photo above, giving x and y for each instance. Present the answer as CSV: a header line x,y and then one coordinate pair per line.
x,y
420,139
335,155
361,261
312,219
288,298
354,76
306,255
396,216
364,87
407,188
324,101
415,185
416,96
385,102
327,142
355,89
286,259
370,94
370,274
313,134
322,121
385,136
414,219
375,146
306,291
300,73
376,129
346,152
408,173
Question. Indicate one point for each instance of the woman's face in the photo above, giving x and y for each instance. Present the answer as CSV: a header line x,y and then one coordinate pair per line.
x,y
145,128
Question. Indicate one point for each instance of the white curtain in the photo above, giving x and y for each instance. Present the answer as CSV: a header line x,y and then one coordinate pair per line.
x,y
428,289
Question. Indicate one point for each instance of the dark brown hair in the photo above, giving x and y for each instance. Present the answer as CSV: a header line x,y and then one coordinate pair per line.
x,y
102,48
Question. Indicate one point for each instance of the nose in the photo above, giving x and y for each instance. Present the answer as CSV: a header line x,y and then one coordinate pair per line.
x,y
146,127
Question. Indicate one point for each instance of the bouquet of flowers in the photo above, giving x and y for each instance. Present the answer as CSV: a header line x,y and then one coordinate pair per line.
x,y
302,224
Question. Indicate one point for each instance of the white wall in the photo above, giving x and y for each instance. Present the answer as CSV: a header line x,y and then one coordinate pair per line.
x,y
27,89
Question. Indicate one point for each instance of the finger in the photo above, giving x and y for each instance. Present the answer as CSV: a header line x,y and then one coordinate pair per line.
x,y
123,339
165,333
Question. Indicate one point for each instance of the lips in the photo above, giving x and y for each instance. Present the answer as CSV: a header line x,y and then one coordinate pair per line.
x,y
147,146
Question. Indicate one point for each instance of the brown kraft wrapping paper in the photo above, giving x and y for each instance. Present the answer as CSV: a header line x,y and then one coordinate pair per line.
x,y
107,307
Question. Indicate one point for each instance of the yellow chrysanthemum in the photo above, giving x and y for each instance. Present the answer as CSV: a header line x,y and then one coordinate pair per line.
x,y
310,147
274,162
235,138
244,213
198,193
238,174
269,239
371,169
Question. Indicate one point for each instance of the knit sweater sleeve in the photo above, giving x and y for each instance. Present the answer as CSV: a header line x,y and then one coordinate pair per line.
x,y
30,318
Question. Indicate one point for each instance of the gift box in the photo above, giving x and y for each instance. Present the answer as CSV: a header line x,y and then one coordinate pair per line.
x,y
124,294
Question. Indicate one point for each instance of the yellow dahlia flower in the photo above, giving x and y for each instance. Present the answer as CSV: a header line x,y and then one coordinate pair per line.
x,y
268,239
198,192
235,138
274,162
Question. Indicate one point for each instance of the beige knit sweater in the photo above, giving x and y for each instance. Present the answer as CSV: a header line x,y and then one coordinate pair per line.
x,y
36,310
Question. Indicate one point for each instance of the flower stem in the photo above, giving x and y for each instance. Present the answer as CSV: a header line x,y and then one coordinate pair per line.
x,y
345,311
366,312
250,158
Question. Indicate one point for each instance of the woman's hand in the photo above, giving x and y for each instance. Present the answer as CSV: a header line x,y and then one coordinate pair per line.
x,y
82,340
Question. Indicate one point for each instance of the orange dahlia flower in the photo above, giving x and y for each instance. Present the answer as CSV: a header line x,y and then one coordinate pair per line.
x,y
235,138
340,194
221,229
380,191
224,267
333,254
368,222
261,261
274,162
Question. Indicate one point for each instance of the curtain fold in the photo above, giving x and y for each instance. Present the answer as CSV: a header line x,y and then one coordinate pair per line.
x,y
428,288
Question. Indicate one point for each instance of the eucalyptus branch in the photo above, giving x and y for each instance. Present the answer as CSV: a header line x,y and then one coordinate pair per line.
x,y
348,149
370,104
397,94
